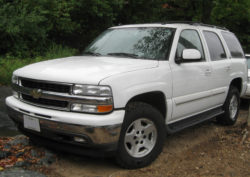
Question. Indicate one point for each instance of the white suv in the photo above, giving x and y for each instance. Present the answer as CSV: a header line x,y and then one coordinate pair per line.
x,y
132,86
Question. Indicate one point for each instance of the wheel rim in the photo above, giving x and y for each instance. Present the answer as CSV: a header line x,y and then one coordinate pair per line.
x,y
140,137
233,107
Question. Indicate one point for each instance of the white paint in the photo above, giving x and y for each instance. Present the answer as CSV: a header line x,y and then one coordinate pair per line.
x,y
82,69
114,118
191,54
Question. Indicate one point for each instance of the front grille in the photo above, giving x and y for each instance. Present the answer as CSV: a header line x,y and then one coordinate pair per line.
x,y
45,86
45,102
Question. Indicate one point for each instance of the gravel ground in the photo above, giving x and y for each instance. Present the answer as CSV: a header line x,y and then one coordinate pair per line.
x,y
207,149
19,172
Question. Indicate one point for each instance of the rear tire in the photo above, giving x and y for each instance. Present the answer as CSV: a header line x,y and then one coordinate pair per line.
x,y
142,136
231,107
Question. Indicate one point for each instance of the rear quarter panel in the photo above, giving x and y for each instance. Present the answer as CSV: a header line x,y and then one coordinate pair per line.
x,y
239,70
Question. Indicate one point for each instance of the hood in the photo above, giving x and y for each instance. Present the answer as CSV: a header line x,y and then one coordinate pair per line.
x,y
82,69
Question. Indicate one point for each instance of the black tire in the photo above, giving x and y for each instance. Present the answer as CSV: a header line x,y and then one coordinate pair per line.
x,y
135,112
227,118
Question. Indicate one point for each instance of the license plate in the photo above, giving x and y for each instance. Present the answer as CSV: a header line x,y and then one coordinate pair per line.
x,y
31,123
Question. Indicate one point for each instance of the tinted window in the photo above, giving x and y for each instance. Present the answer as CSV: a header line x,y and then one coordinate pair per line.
x,y
233,45
189,39
215,47
146,43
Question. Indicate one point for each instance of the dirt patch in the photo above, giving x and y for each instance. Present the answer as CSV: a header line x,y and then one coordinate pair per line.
x,y
204,150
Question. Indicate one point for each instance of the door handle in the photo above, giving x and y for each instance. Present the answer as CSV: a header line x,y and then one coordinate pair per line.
x,y
208,72
228,68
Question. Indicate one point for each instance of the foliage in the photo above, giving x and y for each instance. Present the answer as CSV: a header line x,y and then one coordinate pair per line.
x,y
26,25
235,15
93,17
29,28
190,10
58,51
140,11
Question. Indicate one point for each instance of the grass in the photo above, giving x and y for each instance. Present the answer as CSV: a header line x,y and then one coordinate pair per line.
x,y
10,64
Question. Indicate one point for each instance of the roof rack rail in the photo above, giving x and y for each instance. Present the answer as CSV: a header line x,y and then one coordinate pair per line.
x,y
196,24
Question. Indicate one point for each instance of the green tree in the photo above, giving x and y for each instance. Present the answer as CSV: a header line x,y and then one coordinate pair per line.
x,y
93,17
188,10
235,15
140,11
27,27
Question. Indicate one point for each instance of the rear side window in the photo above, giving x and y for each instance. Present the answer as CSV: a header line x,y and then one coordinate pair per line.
x,y
233,45
215,47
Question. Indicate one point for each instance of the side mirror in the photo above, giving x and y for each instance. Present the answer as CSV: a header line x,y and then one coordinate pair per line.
x,y
191,54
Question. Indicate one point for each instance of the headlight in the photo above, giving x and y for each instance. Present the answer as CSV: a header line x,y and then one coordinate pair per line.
x,y
76,107
83,108
91,90
14,79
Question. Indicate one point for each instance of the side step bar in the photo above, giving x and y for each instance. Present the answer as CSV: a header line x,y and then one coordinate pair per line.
x,y
191,121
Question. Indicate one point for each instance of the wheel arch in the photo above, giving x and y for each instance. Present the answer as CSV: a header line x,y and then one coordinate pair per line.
x,y
156,99
237,82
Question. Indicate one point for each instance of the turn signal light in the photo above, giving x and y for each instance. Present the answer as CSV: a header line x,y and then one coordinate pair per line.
x,y
104,108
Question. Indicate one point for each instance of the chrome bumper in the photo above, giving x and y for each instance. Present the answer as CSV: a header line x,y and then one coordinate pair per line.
x,y
92,135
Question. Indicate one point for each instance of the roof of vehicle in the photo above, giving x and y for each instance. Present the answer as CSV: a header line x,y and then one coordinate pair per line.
x,y
173,24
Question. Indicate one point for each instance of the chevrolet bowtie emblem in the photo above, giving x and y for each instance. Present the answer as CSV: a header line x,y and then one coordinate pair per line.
x,y
36,93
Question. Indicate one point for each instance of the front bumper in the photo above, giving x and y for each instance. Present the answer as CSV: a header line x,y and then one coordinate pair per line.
x,y
96,130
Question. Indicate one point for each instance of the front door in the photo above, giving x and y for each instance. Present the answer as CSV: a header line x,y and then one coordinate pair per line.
x,y
191,93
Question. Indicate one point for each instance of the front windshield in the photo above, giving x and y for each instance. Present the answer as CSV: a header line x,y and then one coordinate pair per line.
x,y
248,61
145,43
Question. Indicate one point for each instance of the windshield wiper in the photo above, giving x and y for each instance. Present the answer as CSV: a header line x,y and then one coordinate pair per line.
x,y
124,55
91,53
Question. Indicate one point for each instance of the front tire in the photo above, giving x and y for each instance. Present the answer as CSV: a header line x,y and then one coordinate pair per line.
x,y
142,136
231,107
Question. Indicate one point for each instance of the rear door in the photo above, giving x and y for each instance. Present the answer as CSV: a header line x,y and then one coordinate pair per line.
x,y
221,67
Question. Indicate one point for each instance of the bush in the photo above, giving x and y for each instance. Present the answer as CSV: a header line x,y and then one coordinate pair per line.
x,y
26,25
59,51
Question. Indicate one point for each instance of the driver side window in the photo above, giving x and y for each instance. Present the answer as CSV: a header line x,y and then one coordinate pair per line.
x,y
189,39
